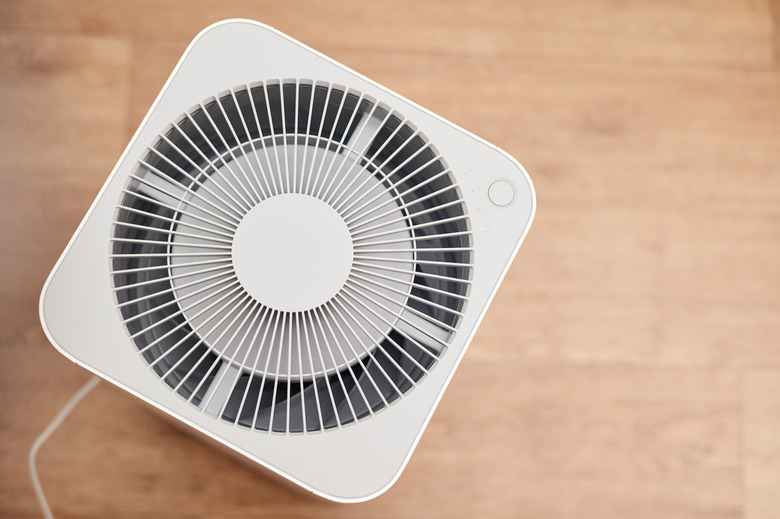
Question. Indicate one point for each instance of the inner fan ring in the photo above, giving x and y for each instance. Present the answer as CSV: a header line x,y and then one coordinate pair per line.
x,y
356,327
284,364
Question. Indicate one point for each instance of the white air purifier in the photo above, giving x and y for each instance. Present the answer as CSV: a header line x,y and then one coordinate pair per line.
x,y
290,259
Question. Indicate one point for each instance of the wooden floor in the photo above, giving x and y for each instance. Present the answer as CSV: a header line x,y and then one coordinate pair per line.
x,y
630,364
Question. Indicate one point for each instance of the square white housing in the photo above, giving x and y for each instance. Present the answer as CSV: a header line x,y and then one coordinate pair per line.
x,y
277,206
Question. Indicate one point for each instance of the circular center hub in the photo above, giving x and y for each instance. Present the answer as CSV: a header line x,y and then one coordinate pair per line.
x,y
292,252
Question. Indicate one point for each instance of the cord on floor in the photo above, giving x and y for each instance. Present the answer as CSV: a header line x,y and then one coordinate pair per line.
x,y
61,416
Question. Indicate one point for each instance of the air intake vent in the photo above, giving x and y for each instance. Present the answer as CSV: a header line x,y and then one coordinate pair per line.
x,y
291,256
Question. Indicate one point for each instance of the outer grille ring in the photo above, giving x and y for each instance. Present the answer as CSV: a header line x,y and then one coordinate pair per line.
x,y
314,368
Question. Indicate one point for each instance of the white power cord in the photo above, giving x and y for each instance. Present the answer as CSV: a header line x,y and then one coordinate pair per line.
x,y
61,416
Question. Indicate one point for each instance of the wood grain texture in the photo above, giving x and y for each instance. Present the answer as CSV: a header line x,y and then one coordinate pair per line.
x,y
633,440
695,31
762,443
629,366
775,6
64,101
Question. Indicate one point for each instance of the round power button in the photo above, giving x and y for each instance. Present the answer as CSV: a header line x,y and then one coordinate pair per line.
x,y
501,193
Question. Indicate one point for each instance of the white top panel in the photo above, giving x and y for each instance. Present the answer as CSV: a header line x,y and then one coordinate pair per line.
x,y
352,463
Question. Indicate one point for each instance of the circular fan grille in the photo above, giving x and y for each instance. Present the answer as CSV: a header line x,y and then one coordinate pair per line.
x,y
291,256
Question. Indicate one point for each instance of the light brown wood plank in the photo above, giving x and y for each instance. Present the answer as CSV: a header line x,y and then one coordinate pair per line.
x,y
509,440
64,108
761,408
62,117
775,6
64,96
657,203
696,31
152,65
36,383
